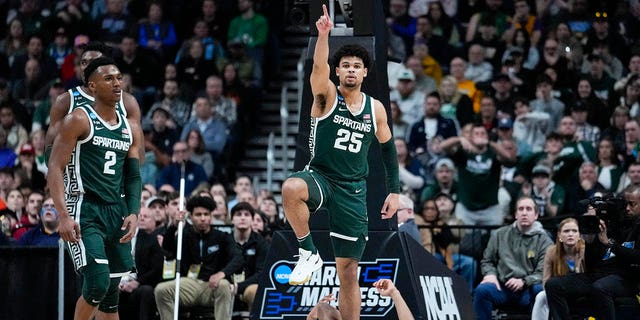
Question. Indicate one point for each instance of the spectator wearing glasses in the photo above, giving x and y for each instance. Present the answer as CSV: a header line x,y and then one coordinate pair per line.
x,y
406,218
194,173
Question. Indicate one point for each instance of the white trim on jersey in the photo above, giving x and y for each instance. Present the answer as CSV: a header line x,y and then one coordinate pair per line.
x,y
333,107
71,100
373,115
362,104
84,94
106,124
342,236
126,124
124,110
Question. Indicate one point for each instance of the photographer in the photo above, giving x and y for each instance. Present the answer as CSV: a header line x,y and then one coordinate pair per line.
x,y
612,261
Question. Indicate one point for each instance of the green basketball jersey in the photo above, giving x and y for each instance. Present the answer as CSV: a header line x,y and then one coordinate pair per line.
x,y
79,98
100,157
339,141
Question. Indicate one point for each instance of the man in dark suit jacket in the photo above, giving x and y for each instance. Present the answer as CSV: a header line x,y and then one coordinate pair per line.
x,y
136,290
430,126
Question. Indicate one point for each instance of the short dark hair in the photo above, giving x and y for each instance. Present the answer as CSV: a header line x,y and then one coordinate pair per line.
x,y
199,201
243,206
95,64
434,94
352,50
97,46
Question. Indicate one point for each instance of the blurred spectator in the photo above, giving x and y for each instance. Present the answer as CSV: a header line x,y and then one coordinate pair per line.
x,y
431,127
455,105
217,23
598,113
180,111
554,59
445,182
242,184
630,177
16,135
602,31
499,20
250,28
478,70
408,98
211,286
45,233
41,114
457,68
136,289
424,82
569,44
30,15
74,15
59,48
164,135
15,203
509,278
194,173
214,131
193,69
490,39
616,129
225,108
14,44
36,139
8,156
584,130
549,197
609,169
631,140
68,70
478,162
612,65
254,250
438,239
431,48
400,127
573,153
212,47
114,23
270,207
147,75
524,20
248,71
401,23
630,96
32,88
27,164
157,34
488,116
529,128
411,171
585,187
156,207
633,68
601,82
31,215
221,214
564,257
406,218
545,102
503,95
442,22
199,155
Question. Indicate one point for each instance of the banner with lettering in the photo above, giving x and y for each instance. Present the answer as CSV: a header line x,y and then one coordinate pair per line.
x,y
430,289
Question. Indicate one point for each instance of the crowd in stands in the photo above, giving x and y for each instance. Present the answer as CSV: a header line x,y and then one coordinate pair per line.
x,y
505,115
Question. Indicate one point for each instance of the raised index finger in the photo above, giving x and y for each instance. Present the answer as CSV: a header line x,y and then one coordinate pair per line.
x,y
326,13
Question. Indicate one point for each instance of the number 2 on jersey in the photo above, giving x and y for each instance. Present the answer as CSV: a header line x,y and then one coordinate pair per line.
x,y
110,156
348,140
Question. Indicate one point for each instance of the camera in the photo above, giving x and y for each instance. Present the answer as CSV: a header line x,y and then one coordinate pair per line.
x,y
609,208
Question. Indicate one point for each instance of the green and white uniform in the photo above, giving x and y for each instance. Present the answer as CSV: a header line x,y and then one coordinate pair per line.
x,y
339,143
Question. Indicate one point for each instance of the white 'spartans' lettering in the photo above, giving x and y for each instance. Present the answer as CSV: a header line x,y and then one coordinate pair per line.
x,y
354,125
439,298
111,143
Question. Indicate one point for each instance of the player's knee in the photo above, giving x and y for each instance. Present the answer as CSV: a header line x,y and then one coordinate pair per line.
x,y
95,287
293,188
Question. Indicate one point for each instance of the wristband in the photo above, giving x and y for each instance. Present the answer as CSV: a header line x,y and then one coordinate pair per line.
x,y
132,185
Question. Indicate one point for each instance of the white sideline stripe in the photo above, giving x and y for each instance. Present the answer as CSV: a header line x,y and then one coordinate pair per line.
x,y
342,236
101,261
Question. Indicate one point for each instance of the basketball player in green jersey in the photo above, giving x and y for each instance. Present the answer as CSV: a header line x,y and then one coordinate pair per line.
x,y
344,123
104,153
80,95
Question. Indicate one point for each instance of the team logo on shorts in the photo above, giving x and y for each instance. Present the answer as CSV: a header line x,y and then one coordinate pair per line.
x,y
283,300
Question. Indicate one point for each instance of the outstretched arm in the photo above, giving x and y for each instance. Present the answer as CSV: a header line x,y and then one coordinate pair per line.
x,y
386,288
324,91
76,126
389,161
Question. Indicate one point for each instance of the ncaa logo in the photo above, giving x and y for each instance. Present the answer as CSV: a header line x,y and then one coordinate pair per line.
x,y
281,274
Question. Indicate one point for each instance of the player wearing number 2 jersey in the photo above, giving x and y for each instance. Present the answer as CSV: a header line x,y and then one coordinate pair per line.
x,y
344,123
102,152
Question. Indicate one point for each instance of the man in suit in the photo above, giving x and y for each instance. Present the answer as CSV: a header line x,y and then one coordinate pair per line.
x,y
136,291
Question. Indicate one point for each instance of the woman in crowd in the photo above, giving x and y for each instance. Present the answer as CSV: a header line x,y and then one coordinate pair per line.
x,y
566,256
198,154
609,169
